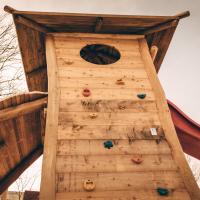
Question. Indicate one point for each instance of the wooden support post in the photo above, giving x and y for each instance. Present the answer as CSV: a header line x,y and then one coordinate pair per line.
x,y
153,52
98,25
168,126
48,182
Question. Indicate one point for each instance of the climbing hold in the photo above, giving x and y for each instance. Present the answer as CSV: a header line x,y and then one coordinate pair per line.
x,y
108,144
162,191
153,131
120,82
121,107
141,96
93,115
86,92
76,128
137,159
88,185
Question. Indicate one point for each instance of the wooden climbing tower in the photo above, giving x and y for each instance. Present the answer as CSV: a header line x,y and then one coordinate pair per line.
x,y
109,133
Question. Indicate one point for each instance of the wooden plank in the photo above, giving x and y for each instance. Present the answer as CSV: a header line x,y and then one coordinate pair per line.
x,y
113,163
78,43
96,36
125,56
73,182
107,94
111,83
9,135
121,147
47,191
168,126
22,109
127,106
122,64
84,118
89,19
24,135
98,72
142,194
67,131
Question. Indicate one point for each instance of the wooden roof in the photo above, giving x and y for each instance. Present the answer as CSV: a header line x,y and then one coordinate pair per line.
x,y
22,124
33,26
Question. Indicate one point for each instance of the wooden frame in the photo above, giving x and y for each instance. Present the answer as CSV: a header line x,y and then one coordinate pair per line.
x,y
47,191
168,126
23,109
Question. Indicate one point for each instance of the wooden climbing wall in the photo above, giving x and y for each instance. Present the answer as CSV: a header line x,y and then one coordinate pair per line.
x,y
113,112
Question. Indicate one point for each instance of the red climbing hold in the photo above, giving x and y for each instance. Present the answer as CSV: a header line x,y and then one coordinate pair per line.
x,y
86,92
137,159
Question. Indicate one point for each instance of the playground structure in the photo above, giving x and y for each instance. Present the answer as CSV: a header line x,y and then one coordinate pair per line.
x,y
107,129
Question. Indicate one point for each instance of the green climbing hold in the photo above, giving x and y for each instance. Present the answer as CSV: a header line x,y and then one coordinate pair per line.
x,y
108,144
141,96
162,191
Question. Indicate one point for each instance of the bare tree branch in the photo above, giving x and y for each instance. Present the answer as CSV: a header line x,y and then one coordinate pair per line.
x,y
12,79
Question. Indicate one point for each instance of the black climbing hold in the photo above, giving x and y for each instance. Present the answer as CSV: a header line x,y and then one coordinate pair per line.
x,y
162,191
141,96
108,144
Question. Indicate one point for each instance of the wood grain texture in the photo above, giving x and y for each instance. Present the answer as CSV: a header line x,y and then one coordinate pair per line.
x,y
123,195
166,121
113,163
109,94
47,191
132,132
95,83
124,106
107,72
72,182
84,118
121,147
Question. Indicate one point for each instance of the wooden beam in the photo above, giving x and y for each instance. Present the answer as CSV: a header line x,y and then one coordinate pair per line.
x,y
31,24
19,169
159,27
183,14
153,52
98,36
167,124
22,109
98,24
48,181
9,9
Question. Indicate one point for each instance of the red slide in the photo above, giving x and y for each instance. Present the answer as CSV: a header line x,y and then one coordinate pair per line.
x,y
188,131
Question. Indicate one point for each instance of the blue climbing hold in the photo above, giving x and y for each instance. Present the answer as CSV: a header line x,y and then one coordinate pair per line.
x,y
162,191
141,96
108,144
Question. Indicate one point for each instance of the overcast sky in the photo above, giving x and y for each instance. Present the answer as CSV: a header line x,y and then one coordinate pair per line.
x,y
180,71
